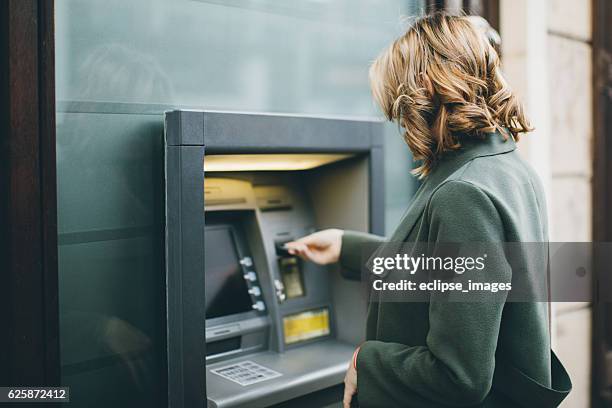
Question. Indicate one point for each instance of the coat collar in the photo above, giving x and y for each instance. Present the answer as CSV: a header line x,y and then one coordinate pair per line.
x,y
492,144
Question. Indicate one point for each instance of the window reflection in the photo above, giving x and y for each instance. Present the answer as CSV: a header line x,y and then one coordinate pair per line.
x,y
120,64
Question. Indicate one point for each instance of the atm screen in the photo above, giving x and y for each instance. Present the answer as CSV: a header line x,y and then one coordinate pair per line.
x,y
226,288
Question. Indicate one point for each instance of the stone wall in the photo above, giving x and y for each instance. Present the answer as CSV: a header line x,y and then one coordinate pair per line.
x,y
558,95
571,126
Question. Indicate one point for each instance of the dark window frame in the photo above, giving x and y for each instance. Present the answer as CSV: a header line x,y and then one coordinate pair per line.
x,y
29,312
601,392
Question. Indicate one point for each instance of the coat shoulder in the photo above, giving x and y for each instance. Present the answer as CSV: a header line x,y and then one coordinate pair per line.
x,y
502,177
504,182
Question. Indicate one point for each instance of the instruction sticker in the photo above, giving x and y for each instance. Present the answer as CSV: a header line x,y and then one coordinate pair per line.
x,y
246,373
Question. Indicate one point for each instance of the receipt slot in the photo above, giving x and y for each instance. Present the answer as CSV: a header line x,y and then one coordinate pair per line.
x,y
248,324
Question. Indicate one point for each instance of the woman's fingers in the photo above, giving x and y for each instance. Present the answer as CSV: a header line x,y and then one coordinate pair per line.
x,y
315,256
296,248
308,253
314,240
322,247
349,391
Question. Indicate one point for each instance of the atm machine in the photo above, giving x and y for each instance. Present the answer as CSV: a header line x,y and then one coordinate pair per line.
x,y
248,324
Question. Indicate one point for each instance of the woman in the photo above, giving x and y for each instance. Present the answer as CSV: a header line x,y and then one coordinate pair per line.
x,y
441,82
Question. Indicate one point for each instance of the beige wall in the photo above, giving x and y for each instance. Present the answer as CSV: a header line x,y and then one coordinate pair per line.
x,y
547,58
569,35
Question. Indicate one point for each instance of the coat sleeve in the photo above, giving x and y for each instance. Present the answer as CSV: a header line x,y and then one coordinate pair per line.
x,y
352,252
455,367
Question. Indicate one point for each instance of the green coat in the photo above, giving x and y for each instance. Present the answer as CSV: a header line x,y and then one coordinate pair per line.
x,y
443,354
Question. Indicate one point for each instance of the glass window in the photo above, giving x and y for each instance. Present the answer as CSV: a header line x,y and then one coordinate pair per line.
x,y
120,64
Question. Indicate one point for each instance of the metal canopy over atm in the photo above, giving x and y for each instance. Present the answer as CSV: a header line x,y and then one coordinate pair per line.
x,y
248,324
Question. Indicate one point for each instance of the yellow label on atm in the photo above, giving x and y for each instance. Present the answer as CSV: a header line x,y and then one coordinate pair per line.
x,y
306,325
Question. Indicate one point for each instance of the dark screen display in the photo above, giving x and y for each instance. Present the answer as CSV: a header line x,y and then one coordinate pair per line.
x,y
226,289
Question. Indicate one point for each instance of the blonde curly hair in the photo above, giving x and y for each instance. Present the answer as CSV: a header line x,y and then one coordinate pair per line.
x,y
442,82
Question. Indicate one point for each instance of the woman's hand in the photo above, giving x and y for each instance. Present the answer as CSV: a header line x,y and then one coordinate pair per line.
x,y
350,382
322,247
